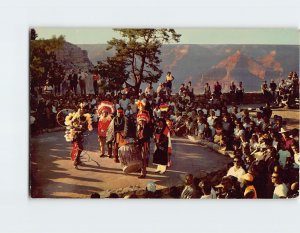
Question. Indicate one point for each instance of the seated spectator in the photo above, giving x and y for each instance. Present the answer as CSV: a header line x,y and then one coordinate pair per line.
x,y
95,195
250,191
226,190
207,190
236,170
281,189
207,134
218,138
189,190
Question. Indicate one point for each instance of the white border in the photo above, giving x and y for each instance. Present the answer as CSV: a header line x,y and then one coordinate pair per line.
x,y
18,213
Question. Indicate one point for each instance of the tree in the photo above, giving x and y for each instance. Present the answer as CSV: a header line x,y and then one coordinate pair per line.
x,y
42,58
136,59
33,34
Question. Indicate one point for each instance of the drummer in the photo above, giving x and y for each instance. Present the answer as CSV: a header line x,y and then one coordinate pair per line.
x,y
143,135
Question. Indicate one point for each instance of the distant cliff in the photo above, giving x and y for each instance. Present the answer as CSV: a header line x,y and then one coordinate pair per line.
x,y
71,56
251,64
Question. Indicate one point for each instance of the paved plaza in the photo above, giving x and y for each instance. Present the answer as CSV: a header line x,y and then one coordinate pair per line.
x,y
53,174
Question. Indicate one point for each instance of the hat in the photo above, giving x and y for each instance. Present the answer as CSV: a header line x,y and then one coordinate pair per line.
x,y
282,130
247,177
164,107
225,179
106,106
143,115
140,104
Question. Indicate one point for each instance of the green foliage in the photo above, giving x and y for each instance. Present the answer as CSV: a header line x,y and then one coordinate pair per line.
x,y
33,34
136,58
42,58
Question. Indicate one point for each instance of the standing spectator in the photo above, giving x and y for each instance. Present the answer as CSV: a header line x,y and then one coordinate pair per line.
x,y
169,80
48,89
65,84
124,102
132,105
74,82
240,93
207,91
159,88
57,82
182,89
273,87
149,91
96,78
82,82
265,91
217,90
232,91
284,154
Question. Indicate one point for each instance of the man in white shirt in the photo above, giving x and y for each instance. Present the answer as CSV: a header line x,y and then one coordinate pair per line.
x,y
48,89
133,106
82,82
236,170
281,189
283,155
157,112
124,102
160,86
149,91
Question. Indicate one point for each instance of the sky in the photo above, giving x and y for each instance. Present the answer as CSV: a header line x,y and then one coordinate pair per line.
x,y
278,36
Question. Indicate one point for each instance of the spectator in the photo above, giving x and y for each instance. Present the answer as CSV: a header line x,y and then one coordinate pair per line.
x,y
207,190
240,93
189,190
265,91
273,87
236,170
281,189
250,191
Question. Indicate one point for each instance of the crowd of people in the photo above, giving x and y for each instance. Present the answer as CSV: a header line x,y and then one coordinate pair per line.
x,y
285,93
266,155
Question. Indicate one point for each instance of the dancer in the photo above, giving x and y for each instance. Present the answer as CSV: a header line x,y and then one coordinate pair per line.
x,y
105,109
115,133
143,136
77,123
162,146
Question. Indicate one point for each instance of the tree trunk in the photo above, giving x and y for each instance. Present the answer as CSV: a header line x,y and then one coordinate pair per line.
x,y
137,88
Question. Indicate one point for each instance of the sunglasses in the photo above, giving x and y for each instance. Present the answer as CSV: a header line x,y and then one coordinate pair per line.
x,y
274,177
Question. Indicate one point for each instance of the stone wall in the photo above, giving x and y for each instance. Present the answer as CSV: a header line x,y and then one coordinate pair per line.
x,y
249,97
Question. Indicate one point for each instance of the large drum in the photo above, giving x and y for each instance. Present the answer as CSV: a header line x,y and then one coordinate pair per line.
x,y
130,158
